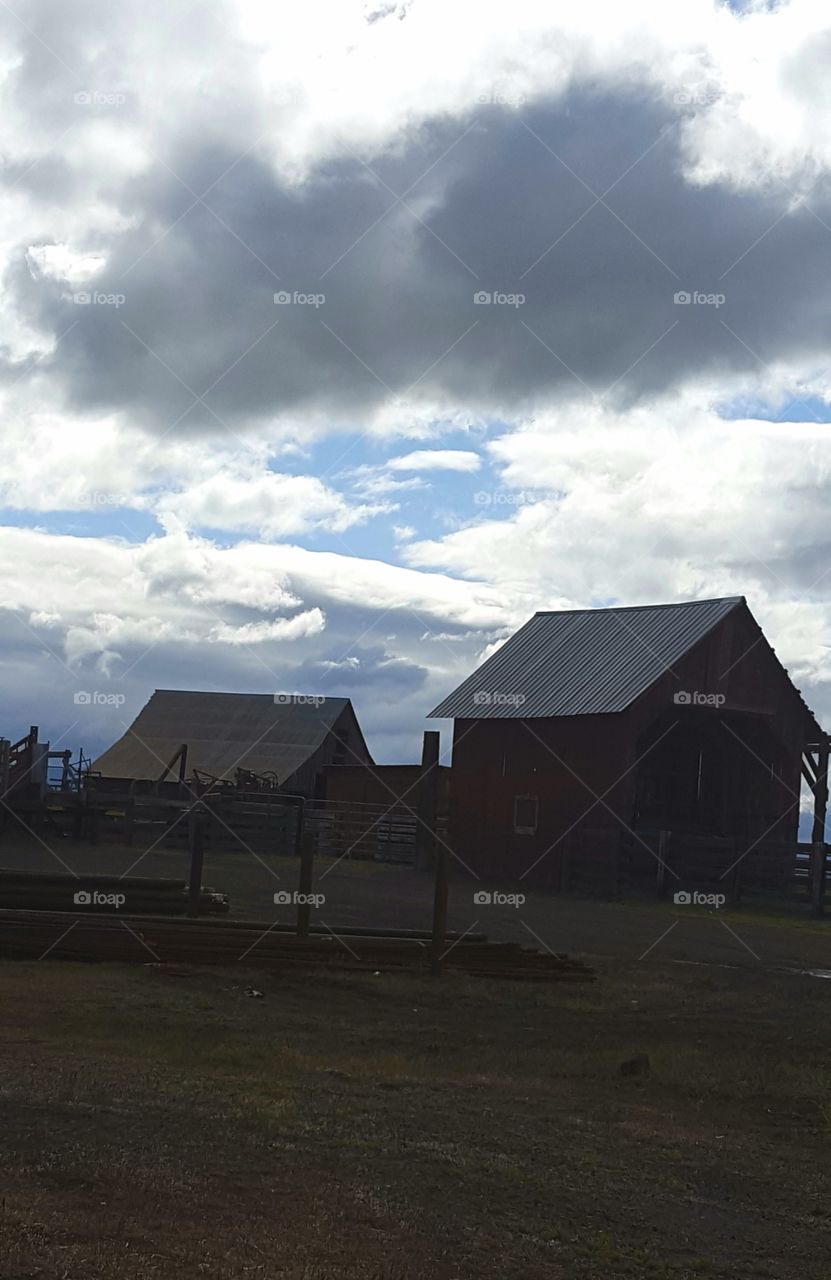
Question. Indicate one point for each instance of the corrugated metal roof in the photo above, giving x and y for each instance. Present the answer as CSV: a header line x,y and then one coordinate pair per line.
x,y
224,732
583,661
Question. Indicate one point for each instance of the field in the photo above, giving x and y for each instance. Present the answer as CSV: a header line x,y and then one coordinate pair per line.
x,y
164,1122
175,1122
763,932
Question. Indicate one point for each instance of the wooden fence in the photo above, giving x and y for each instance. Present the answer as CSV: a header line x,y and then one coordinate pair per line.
x,y
266,824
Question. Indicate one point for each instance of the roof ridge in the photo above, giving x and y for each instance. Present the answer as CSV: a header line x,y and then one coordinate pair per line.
x,y
248,693
630,608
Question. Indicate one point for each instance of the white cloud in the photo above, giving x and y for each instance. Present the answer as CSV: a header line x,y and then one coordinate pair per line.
x,y
658,501
60,262
266,503
435,460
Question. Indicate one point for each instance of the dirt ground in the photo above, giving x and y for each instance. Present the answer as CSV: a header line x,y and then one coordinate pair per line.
x,y
762,932
165,1122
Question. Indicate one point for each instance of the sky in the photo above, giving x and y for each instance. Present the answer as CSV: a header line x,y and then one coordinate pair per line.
x,y
337,340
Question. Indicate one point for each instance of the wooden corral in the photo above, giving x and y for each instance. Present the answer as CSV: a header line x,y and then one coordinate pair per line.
x,y
659,745
378,812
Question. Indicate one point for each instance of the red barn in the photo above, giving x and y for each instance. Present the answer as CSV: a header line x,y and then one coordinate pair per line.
x,y
597,745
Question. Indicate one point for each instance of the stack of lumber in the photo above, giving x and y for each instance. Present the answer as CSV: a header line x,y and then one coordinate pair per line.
x,y
133,940
134,895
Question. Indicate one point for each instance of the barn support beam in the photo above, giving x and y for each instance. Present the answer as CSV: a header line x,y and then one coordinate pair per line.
x,y
820,790
819,852
180,757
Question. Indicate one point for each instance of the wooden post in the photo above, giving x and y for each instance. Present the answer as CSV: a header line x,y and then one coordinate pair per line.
x,y
663,865
439,942
819,857
179,757
425,834
299,826
5,744
304,888
821,793
79,825
197,853
819,851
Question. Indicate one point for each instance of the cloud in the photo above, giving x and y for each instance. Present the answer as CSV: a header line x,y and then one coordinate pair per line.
x,y
435,460
264,502
594,198
181,611
638,196
665,503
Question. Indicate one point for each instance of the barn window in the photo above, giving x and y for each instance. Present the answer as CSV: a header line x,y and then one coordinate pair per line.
x,y
526,813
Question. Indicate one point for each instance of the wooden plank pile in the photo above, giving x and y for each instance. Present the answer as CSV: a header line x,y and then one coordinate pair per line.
x,y
136,895
133,940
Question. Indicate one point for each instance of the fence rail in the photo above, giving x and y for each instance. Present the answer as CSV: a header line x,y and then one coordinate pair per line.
x,y
268,823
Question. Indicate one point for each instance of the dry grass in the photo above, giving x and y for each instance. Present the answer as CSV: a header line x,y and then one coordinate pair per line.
x,y
158,1122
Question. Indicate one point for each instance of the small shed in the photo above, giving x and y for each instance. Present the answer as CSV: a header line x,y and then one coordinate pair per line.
x,y
597,747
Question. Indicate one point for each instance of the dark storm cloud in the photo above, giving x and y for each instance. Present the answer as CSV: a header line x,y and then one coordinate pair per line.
x,y
38,686
198,277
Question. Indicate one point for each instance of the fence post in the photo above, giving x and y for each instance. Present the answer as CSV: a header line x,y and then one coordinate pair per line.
x,y
304,906
819,856
197,853
425,835
820,790
663,851
439,942
299,826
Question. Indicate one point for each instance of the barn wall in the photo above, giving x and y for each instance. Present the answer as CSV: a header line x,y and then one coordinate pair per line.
x,y
382,785
735,661
767,728
562,765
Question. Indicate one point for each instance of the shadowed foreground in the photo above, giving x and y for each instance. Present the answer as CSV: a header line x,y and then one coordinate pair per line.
x,y
162,1122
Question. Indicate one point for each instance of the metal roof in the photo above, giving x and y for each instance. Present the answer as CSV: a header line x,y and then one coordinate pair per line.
x,y
583,661
224,732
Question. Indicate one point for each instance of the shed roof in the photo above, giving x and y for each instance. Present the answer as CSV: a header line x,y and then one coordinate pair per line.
x,y
224,732
583,661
